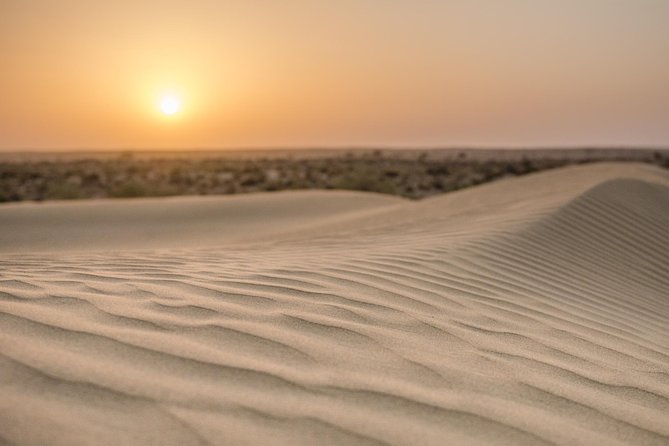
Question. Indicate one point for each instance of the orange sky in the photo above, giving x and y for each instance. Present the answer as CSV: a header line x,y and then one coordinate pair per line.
x,y
251,73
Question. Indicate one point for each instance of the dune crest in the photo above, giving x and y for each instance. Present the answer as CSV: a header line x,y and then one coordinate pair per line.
x,y
528,311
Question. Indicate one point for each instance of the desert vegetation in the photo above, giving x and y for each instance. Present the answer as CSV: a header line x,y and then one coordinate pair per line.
x,y
415,174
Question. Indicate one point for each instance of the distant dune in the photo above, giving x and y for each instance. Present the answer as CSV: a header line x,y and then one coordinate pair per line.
x,y
175,222
532,310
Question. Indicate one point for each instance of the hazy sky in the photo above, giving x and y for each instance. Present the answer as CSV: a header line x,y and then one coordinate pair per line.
x,y
252,73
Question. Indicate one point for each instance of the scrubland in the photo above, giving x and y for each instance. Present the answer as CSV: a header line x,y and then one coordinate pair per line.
x,y
411,174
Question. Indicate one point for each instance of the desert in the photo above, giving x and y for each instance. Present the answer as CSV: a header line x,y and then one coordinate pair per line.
x,y
530,310
351,222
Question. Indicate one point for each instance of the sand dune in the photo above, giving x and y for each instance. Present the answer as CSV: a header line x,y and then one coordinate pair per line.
x,y
176,222
533,310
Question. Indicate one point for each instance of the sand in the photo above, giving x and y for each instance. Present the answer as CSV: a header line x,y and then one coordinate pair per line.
x,y
533,310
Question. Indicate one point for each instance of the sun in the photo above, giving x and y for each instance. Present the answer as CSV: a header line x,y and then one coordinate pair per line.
x,y
170,104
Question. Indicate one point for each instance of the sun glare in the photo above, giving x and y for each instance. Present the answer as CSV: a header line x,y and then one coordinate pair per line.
x,y
170,104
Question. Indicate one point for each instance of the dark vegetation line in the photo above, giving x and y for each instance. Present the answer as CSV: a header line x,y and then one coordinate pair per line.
x,y
412,175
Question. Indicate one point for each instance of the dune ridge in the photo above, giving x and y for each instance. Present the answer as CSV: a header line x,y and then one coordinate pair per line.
x,y
533,310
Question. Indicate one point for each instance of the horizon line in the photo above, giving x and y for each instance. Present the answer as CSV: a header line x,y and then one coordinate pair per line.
x,y
334,148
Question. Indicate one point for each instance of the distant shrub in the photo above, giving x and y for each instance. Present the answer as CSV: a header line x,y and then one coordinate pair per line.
x,y
63,191
438,169
128,190
364,180
413,175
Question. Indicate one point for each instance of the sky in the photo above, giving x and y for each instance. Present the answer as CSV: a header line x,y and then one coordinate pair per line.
x,y
80,74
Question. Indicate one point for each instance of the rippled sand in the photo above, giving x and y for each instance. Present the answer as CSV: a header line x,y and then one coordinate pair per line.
x,y
533,310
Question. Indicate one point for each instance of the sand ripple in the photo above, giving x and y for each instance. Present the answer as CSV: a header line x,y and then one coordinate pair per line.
x,y
531,311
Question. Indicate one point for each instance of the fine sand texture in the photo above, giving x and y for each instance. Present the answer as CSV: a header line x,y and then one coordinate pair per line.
x,y
532,310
